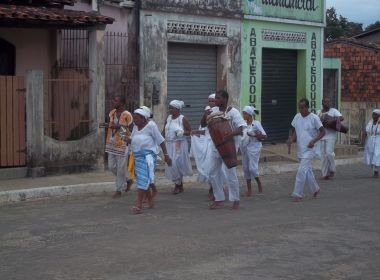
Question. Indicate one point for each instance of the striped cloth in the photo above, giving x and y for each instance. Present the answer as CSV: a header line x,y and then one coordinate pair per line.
x,y
145,163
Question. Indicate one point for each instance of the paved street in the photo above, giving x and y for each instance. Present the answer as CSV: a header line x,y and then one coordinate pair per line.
x,y
94,237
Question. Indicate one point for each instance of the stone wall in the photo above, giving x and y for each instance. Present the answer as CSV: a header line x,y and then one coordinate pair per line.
x,y
356,116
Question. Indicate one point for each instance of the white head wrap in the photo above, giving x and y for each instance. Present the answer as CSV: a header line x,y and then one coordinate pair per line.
x,y
147,109
177,104
142,112
377,111
249,110
212,96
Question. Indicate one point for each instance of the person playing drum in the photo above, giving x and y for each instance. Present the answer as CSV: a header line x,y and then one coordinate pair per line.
x,y
237,123
328,115
201,147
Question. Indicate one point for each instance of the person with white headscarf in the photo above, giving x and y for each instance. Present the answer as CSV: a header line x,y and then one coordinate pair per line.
x,y
176,128
201,148
372,144
250,148
145,138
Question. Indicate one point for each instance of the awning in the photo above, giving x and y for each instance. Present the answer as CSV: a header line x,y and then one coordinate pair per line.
x,y
42,17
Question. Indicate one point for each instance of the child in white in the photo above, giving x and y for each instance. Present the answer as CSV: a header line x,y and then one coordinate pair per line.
x,y
250,148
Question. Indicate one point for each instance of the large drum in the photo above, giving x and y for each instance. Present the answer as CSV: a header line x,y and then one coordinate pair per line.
x,y
219,126
329,122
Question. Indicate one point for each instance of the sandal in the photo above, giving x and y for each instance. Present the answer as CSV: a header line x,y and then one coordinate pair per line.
x,y
136,210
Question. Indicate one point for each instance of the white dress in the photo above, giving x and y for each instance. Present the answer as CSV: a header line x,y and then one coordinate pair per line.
x,y
178,150
250,149
372,146
145,142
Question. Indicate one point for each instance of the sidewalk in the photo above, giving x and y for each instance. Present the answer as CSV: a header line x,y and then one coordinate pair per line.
x,y
274,160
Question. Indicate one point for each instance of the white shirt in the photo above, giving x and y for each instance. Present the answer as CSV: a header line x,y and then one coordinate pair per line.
x,y
172,126
330,133
306,129
253,142
148,138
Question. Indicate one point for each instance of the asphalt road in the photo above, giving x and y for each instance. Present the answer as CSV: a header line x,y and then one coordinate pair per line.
x,y
336,236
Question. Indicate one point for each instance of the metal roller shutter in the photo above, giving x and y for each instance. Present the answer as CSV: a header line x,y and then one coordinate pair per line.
x,y
279,92
191,77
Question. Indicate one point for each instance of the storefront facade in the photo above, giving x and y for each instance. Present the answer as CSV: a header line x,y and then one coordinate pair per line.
x,y
282,59
188,50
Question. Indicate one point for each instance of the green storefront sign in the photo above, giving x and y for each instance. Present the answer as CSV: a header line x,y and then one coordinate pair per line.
x,y
264,27
304,10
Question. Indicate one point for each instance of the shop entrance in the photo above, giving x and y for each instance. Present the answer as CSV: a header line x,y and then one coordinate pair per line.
x,y
279,92
192,77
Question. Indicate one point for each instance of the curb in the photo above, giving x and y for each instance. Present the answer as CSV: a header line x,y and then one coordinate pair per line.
x,y
7,197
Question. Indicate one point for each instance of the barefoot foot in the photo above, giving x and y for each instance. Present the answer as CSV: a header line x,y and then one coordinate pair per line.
x,y
316,194
116,194
235,205
216,205
297,199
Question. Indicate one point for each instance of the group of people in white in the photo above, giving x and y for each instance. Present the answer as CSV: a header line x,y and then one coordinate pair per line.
x,y
133,141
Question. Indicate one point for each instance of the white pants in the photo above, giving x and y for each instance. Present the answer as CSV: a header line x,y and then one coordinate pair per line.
x,y
305,175
118,165
327,156
216,179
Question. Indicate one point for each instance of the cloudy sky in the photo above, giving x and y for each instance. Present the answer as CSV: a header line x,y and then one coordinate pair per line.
x,y
361,11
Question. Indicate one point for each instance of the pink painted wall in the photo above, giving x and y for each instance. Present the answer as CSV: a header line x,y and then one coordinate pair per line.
x,y
34,48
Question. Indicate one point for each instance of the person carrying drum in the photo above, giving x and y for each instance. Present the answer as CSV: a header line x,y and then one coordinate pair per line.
x,y
201,147
250,148
176,128
216,162
328,115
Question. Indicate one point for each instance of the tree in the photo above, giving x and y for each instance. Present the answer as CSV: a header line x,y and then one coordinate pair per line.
x,y
340,27
333,29
373,26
